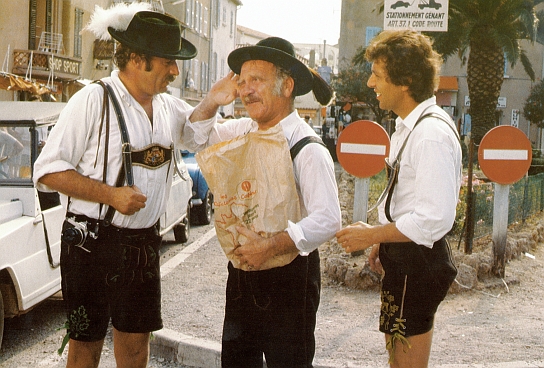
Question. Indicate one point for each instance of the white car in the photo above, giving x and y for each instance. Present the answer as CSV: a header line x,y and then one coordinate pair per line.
x,y
31,221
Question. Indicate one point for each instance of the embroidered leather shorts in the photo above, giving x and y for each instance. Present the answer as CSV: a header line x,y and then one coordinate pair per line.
x,y
117,277
417,279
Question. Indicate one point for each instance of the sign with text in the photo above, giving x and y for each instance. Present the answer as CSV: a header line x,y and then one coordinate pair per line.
x,y
64,67
419,15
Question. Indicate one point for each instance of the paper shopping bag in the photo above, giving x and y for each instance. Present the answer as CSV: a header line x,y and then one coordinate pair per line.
x,y
252,180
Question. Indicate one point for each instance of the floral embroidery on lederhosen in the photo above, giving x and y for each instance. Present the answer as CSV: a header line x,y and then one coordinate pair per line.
x,y
389,309
77,324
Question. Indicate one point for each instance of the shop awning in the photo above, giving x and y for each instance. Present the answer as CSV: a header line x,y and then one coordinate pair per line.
x,y
448,84
12,82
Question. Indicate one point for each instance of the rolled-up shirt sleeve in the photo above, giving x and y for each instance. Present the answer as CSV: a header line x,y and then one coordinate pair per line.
x,y
73,126
318,192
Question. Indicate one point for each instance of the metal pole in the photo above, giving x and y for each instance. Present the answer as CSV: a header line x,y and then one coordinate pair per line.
x,y
360,205
500,225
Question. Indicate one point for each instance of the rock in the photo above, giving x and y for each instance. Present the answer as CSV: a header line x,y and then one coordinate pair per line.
x,y
467,279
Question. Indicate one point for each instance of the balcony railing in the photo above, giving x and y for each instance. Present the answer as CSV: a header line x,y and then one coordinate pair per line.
x,y
42,64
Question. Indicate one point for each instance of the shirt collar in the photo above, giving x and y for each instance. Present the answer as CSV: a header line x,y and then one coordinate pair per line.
x,y
289,124
412,117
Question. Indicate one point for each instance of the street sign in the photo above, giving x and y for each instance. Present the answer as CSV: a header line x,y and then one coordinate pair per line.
x,y
505,154
419,15
362,148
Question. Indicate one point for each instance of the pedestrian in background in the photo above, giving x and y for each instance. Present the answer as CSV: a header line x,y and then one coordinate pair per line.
x,y
273,311
409,245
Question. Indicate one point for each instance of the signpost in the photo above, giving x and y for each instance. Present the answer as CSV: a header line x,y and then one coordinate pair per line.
x,y
505,157
419,15
361,149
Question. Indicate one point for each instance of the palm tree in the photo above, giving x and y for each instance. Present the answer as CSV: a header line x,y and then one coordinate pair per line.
x,y
488,31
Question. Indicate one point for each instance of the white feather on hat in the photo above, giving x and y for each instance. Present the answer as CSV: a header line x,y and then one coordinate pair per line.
x,y
117,16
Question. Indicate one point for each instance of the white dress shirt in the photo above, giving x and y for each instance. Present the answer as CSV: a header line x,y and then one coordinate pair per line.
x,y
73,145
313,170
425,198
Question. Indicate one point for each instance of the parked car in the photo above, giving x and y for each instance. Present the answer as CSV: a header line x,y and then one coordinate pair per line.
x,y
31,221
178,207
202,201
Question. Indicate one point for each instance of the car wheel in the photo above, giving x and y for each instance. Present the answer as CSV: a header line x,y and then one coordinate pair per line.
x,y
203,213
1,318
182,230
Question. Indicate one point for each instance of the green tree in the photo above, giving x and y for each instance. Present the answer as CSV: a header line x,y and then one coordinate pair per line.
x,y
350,86
533,110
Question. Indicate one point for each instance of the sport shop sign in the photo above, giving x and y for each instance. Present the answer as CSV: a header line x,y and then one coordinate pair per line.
x,y
64,67
419,15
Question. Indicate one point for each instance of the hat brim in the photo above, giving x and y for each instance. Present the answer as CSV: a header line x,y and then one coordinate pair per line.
x,y
300,72
188,50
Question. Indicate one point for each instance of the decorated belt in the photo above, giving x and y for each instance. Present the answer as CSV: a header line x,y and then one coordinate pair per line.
x,y
152,156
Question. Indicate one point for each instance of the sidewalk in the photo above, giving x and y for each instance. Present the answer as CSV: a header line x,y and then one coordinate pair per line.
x,y
193,300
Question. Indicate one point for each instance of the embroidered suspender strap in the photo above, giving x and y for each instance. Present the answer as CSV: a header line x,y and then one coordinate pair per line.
x,y
394,175
304,141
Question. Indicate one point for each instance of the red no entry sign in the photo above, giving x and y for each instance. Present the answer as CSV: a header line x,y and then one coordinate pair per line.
x,y
505,154
362,148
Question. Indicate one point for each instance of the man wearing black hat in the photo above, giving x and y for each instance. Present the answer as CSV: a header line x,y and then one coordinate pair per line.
x,y
273,311
112,149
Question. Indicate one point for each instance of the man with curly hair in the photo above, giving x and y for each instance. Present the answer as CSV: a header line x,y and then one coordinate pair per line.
x,y
409,245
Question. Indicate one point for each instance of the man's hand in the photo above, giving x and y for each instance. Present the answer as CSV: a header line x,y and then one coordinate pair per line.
x,y
256,251
357,236
374,259
128,200
223,92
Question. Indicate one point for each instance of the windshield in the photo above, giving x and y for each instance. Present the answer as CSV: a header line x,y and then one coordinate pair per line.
x,y
19,147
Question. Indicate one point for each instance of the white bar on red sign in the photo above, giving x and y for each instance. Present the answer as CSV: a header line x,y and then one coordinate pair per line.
x,y
506,154
363,149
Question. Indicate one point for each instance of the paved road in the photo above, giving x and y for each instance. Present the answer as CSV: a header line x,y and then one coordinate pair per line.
x,y
31,341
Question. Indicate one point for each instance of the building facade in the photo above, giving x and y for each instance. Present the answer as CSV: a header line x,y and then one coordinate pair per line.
x,y
43,51
46,55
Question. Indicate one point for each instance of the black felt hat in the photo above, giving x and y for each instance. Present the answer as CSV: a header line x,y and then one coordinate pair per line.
x,y
155,34
279,52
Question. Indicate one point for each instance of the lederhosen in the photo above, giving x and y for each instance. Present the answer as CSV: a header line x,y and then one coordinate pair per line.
x,y
115,272
417,278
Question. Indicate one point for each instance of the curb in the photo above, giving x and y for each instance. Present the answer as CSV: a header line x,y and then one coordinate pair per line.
x,y
177,347
192,351
196,352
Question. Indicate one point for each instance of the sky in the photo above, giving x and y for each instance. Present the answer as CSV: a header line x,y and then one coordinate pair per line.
x,y
298,21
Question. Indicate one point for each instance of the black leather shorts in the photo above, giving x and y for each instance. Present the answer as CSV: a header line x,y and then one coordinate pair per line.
x,y
417,279
117,277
